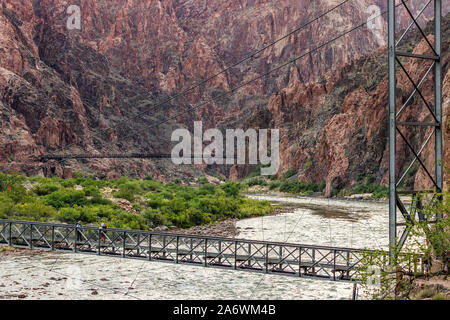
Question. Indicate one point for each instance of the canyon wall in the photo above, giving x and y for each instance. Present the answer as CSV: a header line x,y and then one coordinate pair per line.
x,y
79,91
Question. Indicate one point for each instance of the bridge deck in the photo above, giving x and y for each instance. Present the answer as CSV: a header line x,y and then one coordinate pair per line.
x,y
332,263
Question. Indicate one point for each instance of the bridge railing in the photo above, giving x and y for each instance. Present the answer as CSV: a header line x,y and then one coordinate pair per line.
x,y
325,262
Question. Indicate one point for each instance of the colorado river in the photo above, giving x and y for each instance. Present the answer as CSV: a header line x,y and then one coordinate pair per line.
x,y
341,223
321,221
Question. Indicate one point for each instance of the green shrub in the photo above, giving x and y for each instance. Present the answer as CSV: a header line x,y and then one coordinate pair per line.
x,y
69,215
300,187
12,185
231,188
202,180
189,193
88,214
151,185
12,181
78,175
289,173
207,189
7,206
155,217
307,164
127,220
167,195
439,296
47,188
155,200
92,191
322,186
105,212
55,199
274,185
370,179
257,182
196,217
219,207
128,190
378,191
35,212
66,198
255,173
176,205
412,172
99,200
68,183
252,207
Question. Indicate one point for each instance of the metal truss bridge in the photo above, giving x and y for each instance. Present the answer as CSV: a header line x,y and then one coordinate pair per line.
x,y
306,261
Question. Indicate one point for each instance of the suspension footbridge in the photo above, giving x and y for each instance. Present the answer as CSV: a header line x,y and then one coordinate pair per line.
x,y
279,258
309,261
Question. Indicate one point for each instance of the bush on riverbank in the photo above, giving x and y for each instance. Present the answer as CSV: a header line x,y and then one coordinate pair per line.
x,y
422,266
367,186
257,182
301,187
92,201
286,185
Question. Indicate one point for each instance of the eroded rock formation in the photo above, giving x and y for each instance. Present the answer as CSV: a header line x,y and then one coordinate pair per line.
x,y
80,91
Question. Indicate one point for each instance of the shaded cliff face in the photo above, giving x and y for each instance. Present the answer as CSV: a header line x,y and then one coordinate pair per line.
x,y
166,46
56,92
59,87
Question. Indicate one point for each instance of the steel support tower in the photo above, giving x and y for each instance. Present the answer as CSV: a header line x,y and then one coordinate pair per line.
x,y
398,128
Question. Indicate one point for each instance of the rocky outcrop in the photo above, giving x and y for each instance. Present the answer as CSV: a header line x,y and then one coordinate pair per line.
x,y
124,204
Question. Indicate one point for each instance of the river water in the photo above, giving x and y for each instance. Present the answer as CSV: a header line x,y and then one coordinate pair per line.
x,y
341,223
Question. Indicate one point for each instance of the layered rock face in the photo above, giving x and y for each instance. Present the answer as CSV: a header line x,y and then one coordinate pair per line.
x,y
103,88
346,135
60,95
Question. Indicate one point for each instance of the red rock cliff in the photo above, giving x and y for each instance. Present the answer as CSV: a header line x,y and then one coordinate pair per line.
x,y
83,88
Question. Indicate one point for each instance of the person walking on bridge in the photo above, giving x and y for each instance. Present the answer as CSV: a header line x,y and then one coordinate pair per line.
x,y
103,232
78,228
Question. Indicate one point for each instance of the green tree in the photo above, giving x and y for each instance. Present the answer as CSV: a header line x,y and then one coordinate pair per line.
x,y
231,188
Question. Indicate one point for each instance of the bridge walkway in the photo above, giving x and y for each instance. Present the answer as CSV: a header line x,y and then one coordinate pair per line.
x,y
309,261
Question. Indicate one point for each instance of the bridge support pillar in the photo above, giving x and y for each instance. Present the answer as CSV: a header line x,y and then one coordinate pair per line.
x,y
404,130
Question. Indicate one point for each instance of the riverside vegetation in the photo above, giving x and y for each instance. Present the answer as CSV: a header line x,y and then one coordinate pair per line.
x,y
92,201
288,183
409,278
